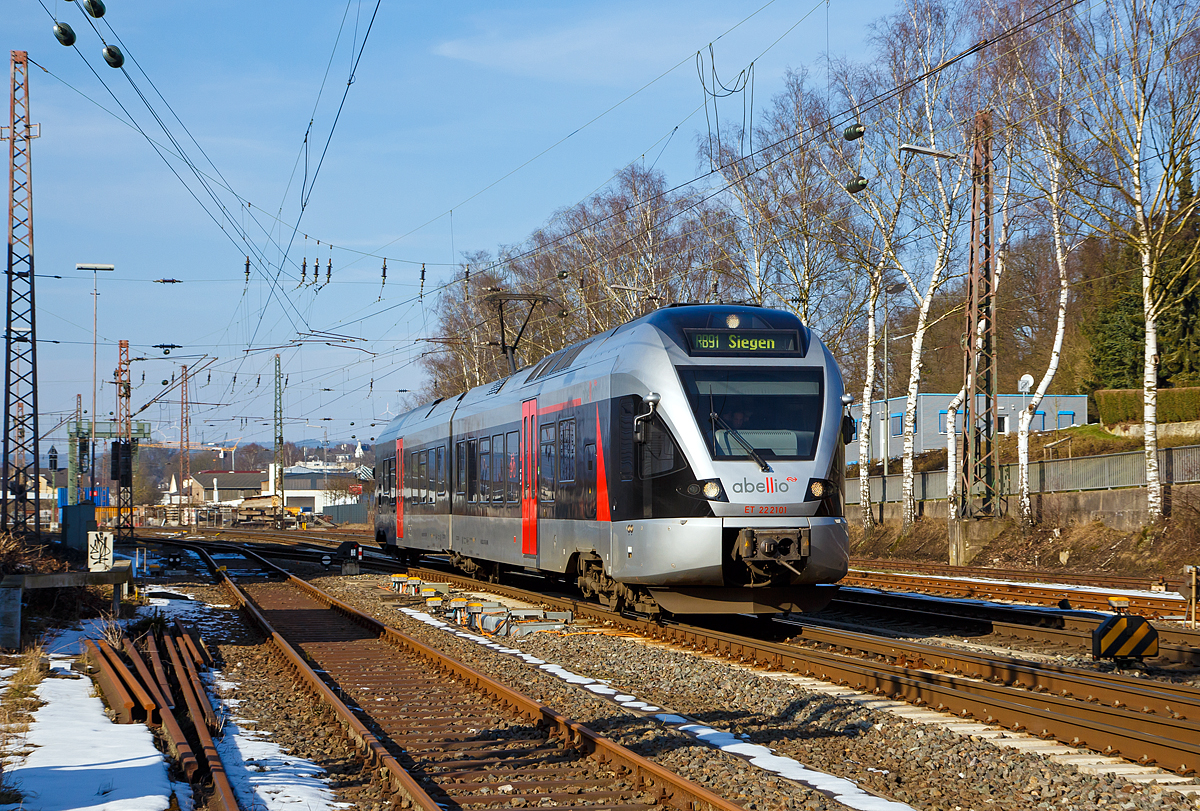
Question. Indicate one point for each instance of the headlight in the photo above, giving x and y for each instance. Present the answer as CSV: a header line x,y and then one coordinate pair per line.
x,y
708,489
820,488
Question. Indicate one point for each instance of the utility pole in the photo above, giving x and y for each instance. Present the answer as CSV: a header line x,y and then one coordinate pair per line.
x,y
979,480
21,458
122,449
278,497
185,447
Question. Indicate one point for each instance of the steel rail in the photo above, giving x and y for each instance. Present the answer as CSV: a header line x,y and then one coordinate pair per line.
x,y
669,788
1097,579
1175,644
1027,592
1113,730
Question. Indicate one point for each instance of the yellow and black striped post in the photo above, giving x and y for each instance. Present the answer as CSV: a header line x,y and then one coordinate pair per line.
x,y
1124,636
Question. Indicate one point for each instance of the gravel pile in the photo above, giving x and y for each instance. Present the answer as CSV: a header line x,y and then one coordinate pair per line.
x,y
928,767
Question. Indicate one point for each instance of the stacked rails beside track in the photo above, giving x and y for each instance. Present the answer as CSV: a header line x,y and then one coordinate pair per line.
x,y
1143,721
445,735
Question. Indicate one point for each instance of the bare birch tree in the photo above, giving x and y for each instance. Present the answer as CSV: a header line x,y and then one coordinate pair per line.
x,y
1139,69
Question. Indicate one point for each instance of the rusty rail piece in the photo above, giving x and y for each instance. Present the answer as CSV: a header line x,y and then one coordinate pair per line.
x,y
115,692
1072,631
1171,743
1096,580
176,741
472,752
216,769
1144,605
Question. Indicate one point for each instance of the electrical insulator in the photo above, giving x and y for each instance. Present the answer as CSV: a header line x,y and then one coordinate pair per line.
x,y
856,185
94,7
247,270
328,271
64,34
854,132
113,56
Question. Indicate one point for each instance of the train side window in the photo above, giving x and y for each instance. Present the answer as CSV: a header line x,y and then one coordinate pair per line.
x,y
485,469
472,472
411,482
566,451
422,477
392,480
381,488
427,475
659,453
627,410
441,469
546,463
460,468
513,447
498,467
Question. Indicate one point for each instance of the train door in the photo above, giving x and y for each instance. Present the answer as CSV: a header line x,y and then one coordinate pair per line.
x,y
529,494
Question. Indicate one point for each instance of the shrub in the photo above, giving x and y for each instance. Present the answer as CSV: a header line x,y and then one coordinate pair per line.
x,y
1125,405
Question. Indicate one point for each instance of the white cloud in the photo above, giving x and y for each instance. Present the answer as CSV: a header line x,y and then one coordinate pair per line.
x,y
615,48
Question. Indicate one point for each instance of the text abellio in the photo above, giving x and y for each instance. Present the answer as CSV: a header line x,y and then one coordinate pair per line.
x,y
771,485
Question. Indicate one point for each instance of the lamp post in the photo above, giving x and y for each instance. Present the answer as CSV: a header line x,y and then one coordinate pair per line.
x,y
95,270
890,290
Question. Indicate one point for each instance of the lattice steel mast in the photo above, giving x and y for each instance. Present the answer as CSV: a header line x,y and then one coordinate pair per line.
x,y
185,448
21,458
980,486
122,449
278,497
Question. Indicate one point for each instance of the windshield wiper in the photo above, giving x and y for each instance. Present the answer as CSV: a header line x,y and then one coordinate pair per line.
x,y
716,418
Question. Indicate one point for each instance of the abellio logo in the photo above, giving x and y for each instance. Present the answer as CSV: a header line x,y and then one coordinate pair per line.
x,y
771,485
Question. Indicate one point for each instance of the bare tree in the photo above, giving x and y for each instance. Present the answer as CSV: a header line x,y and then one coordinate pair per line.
x,y
920,239
1137,64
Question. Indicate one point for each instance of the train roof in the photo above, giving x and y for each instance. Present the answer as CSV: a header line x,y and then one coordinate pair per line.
x,y
671,321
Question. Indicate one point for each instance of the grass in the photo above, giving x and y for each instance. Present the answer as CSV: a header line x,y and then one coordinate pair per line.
x,y
17,704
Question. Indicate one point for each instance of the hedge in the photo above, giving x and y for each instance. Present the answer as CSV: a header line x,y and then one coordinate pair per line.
x,y
1125,405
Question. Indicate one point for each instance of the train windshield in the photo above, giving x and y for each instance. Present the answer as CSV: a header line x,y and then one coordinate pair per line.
x,y
774,410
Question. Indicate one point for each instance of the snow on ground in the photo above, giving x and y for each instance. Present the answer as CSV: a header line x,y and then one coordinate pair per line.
x,y
844,791
81,761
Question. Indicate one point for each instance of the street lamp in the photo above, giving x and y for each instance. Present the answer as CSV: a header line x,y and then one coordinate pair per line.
x,y
932,153
890,290
95,270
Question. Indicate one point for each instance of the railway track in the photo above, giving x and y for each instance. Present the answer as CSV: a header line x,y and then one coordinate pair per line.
x,y
1166,604
1096,580
1111,714
1061,631
445,735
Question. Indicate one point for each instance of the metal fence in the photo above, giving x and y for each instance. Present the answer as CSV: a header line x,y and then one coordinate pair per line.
x,y
346,513
1108,472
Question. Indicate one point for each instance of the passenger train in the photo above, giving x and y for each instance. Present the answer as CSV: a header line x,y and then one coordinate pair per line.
x,y
690,461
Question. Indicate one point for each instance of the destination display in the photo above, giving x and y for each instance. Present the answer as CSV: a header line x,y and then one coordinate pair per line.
x,y
742,341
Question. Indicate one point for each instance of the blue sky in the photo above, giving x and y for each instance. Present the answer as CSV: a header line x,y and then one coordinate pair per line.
x,y
447,102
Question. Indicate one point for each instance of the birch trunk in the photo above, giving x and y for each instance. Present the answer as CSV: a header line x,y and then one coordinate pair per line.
x,y
952,455
864,431
907,495
1154,500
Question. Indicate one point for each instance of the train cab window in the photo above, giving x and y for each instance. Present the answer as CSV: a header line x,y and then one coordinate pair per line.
x,y
460,468
512,446
659,454
472,472
498,459
566,451
627,410
441,469
546,463
485,469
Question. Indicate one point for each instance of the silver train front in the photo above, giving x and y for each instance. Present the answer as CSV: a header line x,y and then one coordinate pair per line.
x,y
451,475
